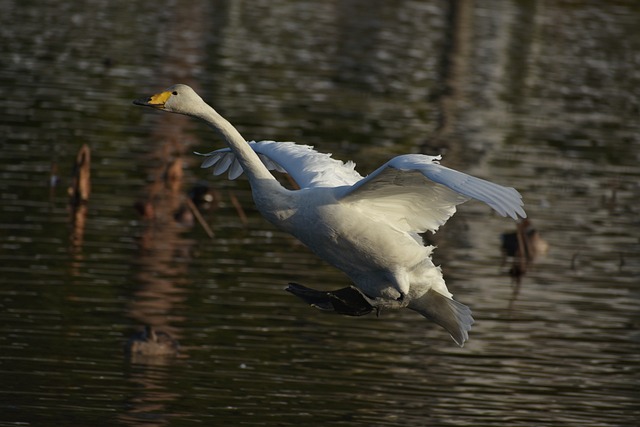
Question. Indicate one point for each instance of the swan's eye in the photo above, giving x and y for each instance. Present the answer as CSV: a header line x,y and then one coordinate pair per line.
x,y
175,92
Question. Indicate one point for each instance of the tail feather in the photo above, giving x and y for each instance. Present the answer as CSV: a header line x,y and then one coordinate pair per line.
x,y
453,316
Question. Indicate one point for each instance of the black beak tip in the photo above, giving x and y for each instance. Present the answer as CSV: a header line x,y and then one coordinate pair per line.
x,y
142,101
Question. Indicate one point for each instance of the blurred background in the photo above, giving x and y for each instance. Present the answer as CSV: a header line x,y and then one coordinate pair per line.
x,y
100,232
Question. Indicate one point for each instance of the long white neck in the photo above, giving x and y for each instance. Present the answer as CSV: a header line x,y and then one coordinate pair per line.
x,y
248,159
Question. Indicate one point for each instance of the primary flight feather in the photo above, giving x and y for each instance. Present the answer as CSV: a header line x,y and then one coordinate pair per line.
x,y
368,227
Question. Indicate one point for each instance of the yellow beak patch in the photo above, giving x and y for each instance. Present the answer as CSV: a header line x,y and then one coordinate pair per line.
x,y
157,101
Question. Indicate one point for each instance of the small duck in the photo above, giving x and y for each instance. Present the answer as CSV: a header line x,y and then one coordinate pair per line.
x,y
151,342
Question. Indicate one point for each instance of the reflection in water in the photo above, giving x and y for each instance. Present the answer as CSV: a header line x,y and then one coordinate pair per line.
x,y
160,280
453,68
148,405
543,95
81,185
158,275
164,209
79,192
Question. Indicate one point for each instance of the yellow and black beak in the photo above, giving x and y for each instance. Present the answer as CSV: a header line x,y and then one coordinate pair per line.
x,y
156,101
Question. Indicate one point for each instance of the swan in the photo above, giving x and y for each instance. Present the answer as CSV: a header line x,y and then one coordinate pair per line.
x,y
368,227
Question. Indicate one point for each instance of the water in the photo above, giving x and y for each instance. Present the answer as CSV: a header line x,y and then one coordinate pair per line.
x,y
543,96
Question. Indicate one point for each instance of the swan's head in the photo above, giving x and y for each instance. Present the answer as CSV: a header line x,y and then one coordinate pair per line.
x,y
176,99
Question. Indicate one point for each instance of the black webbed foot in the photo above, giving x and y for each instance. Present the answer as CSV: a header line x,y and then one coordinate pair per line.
x,y
349,300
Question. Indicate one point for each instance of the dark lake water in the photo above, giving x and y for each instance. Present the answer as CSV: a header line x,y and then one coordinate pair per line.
x,y
540,95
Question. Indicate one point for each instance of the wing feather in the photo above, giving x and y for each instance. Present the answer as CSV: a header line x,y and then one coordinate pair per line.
x,y
305,165
235,170
223,165
418,194
505,200
412,191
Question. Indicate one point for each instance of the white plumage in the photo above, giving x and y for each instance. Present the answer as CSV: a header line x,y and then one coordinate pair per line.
x,y
367,227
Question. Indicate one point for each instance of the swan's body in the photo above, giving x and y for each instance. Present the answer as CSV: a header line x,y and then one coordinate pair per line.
x,y
367,227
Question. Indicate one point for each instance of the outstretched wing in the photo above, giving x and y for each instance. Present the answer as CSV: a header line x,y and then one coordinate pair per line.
x,y
305,165
417,194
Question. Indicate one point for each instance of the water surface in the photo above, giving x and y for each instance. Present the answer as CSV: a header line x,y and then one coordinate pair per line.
x,y
542,96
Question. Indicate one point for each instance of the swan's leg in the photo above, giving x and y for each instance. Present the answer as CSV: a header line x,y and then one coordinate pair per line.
x,y
349,300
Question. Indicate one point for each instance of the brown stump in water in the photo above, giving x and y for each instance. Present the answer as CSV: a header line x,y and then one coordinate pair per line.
x,y
81,185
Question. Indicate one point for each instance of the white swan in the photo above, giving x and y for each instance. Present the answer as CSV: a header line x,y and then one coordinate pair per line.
x,y
367,227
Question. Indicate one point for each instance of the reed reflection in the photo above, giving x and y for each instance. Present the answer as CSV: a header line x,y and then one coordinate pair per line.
x,y
164,254
79,192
